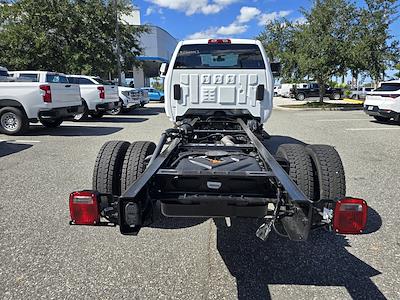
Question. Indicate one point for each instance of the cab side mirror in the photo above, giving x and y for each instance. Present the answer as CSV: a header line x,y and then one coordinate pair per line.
x,y
163,69
276,68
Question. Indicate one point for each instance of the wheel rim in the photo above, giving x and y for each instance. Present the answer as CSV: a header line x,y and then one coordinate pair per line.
x,y
115,111
9,121
78,117
336,96
301,97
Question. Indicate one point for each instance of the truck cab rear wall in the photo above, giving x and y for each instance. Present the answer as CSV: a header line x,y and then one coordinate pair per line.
x,y
219,76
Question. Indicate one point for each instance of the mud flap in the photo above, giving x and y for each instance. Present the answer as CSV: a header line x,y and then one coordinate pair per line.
x,y
297,226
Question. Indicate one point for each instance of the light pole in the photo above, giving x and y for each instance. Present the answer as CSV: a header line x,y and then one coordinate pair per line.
x,y
117,42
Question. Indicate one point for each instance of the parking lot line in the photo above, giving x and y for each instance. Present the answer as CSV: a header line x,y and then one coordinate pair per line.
x,y
20,141
373,129
340,120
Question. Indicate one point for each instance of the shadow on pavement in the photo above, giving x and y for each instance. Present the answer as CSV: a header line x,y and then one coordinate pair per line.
x,y
146,111
273,143
321,261
114,119
66,130
390,122
7,148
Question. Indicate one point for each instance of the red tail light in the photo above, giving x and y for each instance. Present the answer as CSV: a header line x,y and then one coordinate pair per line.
x,y
219,41
46,93
84,208
350,216
102,94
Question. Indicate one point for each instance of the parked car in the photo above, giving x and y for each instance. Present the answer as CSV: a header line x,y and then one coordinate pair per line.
x,y
154,94
50,99
312,90
383,103
3,73
129,98
286,90
98,95
144,97
361,93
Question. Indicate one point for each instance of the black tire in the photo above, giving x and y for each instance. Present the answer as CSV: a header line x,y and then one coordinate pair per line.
x,y
355,97
97,114
117,110
108,167
300,167
381,119
83,115
162,99
13,121
330,181
300,96
52,123
134,162
336,96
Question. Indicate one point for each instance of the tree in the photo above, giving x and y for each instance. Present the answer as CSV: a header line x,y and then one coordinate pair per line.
x,y
379,50
278,39
72,36
322,41
397,67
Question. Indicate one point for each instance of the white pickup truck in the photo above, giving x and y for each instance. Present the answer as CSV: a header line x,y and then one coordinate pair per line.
x,y
129,98
99,96
36,96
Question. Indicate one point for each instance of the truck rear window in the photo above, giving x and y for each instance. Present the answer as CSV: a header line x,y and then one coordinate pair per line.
x,y
388,87
219,56
55,78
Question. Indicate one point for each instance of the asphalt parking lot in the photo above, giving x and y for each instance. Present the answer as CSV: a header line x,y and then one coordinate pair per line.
x,y
43,257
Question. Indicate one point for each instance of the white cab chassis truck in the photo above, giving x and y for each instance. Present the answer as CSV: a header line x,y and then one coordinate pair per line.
x,y
214,161
33,96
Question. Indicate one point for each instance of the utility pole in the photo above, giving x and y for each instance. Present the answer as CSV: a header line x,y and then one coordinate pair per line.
x,y
117,42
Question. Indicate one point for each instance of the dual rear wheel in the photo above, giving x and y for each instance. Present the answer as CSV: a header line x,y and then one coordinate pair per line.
x,y
316,169
119,164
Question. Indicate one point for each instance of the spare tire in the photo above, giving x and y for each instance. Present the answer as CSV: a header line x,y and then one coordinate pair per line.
x,y
108,167
330,177
135,162
300,167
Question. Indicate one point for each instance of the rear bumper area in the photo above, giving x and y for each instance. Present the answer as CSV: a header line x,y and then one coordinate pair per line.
x,y
132,105
216,206
107,106
372,110
61,112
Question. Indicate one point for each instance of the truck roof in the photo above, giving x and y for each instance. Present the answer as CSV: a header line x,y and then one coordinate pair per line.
x,y
36,72
391,81
3,69
206,41
84,76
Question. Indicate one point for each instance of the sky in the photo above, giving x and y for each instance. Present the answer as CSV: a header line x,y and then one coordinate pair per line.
x,y
222,18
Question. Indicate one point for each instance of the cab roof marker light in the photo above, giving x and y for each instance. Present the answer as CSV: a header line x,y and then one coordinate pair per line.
x,y
219,41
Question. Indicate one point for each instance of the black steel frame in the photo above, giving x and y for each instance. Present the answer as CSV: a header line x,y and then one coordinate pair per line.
x,y
135,205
